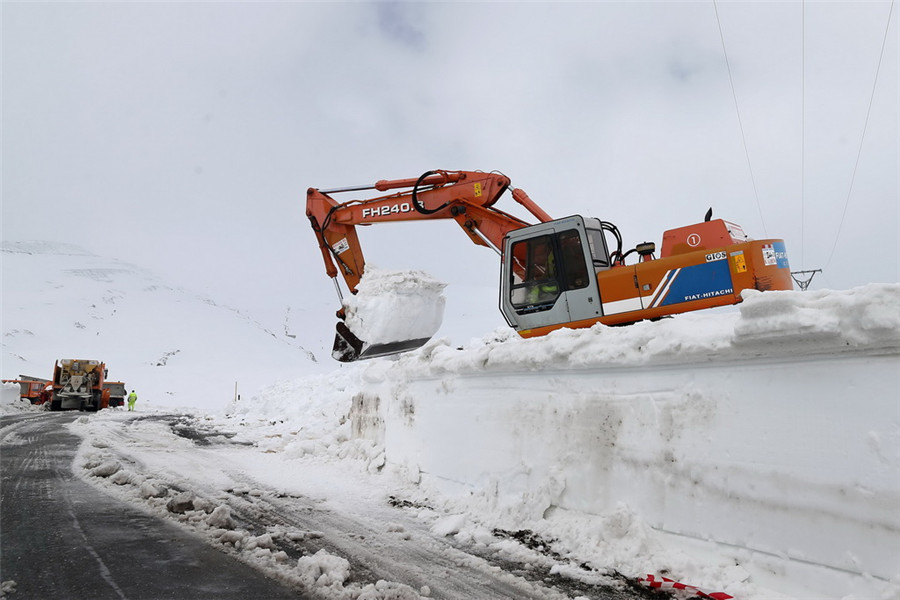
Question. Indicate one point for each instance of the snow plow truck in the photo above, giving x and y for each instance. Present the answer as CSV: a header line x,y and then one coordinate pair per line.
x,y
79,384
569,272
42,391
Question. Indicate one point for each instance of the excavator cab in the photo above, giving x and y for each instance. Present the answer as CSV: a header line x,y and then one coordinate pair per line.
x,y
549,272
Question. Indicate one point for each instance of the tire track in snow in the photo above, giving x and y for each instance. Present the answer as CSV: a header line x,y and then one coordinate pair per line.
x,y
381,542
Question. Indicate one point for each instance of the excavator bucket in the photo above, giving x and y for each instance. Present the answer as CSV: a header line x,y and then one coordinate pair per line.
x,y
349,348
393,312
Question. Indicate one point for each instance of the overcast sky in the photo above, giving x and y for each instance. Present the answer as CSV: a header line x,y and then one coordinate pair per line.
x,y
183,135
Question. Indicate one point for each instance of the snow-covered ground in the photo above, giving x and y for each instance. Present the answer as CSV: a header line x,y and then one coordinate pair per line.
x,y
754,453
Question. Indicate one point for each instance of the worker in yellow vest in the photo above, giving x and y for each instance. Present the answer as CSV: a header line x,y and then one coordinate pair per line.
x,y
132,398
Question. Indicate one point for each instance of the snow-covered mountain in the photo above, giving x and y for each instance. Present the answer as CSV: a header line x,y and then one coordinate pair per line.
x,y
175,347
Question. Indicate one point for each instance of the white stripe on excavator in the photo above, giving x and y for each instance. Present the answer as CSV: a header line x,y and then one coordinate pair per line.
x,y
630,304
664,289
620,306
660,287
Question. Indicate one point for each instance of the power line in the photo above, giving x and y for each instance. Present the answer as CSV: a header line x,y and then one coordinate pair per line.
x,y
863,136
740,122
802,134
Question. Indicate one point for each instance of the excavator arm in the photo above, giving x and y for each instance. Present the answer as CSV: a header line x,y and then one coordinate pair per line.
x,y
467,197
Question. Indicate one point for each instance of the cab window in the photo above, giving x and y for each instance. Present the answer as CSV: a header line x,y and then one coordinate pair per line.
x,y
597,244
576,272
545,266
534,272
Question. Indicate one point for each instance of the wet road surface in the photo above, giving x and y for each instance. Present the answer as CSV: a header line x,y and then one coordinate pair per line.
x,y
61,538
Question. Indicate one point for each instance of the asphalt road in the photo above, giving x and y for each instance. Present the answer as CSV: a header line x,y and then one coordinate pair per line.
x,y
61,538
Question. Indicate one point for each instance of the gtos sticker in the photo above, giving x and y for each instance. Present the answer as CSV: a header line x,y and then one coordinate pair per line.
x,y
740,263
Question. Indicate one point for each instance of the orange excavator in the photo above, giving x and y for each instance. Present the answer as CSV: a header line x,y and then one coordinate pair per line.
x,y
569,272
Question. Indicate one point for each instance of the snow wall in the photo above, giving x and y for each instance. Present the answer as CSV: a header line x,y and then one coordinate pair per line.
x,y
10,394
776,432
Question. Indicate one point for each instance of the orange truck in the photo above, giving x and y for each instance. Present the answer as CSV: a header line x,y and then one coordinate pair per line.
x,y
32,389
571,272
117,392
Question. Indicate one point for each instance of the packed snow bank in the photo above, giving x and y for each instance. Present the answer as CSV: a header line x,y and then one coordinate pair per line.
x,y
395,306
768,324
755,452
10,392
309,417
11,400
789,460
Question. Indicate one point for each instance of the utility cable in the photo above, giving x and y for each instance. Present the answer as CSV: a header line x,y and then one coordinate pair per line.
x,y
802,134
862,138
740,122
